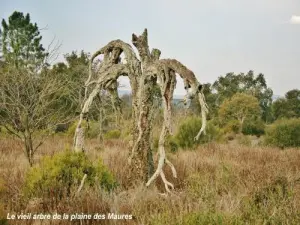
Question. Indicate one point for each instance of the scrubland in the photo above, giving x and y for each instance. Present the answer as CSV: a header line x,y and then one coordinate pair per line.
x,y
217,184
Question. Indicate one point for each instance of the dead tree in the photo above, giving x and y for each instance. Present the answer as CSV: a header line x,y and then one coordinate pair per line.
x,y
143,74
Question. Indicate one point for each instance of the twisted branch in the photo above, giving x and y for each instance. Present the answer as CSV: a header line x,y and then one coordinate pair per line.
x,y
168,82
204,112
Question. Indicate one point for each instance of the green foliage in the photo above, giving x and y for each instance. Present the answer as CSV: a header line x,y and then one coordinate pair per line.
x,y
93,129
112,134
211,100
75,70
3,221
240,107
60,176
170,144
72,128
288,107
21,41
254,127
232,126
231,84
188,130
284,133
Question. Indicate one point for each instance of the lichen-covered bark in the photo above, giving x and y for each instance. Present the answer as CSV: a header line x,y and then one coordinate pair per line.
x,y
143,75
141,155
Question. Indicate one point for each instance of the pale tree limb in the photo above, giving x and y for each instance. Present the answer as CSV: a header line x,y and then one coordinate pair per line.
x,y
110,75
166,182
81,184
204,111
168,82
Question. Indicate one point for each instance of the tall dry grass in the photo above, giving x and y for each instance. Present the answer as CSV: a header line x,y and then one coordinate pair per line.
x,y
216,184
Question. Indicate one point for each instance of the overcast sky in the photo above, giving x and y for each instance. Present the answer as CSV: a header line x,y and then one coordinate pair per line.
x,y
211,37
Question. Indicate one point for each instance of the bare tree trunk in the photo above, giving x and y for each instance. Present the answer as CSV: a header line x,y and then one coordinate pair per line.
x,y
143,75
29,147
101,120
142,167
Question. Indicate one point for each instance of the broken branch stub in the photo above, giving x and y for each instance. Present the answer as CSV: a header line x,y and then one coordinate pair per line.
x,y
143,75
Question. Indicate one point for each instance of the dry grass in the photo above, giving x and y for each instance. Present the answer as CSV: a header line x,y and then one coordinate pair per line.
x,y
216,184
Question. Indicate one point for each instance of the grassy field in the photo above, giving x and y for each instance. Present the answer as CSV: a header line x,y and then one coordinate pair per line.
x,y
216,184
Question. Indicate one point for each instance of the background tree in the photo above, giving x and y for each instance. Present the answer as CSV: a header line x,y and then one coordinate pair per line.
x,y
33,98
31,106
240,107
225,87
21,42
74,69
289,106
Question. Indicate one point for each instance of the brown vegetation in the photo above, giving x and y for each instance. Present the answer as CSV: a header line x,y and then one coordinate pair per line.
x,y
216,184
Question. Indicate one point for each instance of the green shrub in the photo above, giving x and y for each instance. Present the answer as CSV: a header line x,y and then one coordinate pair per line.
x,y
232,126
112,134
170,144
3,220
60,175
256,127
188,130
284,133
93,129
4,132
71,130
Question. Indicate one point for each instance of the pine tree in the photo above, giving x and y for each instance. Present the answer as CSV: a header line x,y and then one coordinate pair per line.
x,y
21,42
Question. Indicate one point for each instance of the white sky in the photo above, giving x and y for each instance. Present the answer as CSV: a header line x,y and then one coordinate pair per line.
x,y
211,37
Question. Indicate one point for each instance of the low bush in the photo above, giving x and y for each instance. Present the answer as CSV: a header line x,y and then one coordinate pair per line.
x,y
189,128
3,215
112,134
284,133
59,176
256,127
171,144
